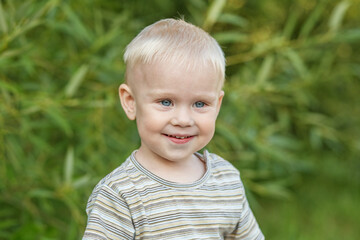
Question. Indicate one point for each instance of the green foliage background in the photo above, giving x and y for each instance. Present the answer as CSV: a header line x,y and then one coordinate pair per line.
x,y
290,118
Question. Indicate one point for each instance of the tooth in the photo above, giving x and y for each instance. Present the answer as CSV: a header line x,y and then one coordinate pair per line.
x,y
178,137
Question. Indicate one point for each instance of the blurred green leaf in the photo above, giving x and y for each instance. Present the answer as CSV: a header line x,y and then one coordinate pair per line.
x,y
81,182
21,30
7,223
312,20
41,193
291,23
213,13
297,62
3,24
69,165
337,15
232,19
350,36
9,87
265,70
12,53
77,29
228,134
59,119
76,81
230,37
271,189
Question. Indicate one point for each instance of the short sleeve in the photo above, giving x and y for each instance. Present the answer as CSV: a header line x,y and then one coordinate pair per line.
x,y
247,227
108,216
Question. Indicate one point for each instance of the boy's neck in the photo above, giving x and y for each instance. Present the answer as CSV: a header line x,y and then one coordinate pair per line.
x,y
183,172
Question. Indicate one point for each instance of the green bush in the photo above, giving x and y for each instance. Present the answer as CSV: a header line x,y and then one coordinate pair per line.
x,y
291,106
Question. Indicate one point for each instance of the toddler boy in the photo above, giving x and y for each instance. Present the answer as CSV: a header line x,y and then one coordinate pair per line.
x,y
166,189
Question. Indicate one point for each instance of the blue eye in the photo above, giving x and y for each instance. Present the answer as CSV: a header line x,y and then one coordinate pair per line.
x,y
199,104
166,103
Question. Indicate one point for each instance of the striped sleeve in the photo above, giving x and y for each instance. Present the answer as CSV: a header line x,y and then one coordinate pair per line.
x,y
108,216
247,227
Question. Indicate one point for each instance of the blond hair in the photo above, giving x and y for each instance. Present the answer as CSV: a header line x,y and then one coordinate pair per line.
x,y
176,41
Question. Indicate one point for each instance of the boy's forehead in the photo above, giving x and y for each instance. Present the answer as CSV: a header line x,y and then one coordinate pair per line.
x,y
146,73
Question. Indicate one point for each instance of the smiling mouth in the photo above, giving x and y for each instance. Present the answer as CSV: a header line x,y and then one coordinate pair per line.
x,y
177,137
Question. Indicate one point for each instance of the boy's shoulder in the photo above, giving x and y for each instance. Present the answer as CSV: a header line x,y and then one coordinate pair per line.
x,y
219,164
118,179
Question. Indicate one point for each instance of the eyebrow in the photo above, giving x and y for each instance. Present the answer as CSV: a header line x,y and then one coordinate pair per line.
x,y
165,93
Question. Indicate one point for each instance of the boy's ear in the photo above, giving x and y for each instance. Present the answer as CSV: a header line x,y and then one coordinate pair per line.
x,y
127,101
221,96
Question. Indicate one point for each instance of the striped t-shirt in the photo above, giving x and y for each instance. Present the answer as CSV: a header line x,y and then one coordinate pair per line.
x,y
133,203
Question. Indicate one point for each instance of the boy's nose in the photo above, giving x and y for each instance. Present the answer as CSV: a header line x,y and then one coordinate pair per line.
x,y
182,118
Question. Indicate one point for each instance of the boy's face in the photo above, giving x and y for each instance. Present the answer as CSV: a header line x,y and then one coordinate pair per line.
x,y
175,109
